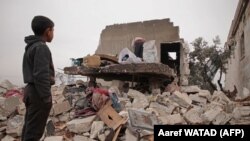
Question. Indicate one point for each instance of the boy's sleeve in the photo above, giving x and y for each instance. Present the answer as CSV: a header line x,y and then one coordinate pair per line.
x,y
41,72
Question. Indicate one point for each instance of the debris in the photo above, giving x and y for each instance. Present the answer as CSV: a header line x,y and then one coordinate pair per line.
x,y
95,128
172,119
80,125
190,89
139,99
222,118
110,117
61,107
181,98
197,99
15,125
211,114
93,61
10,104
142,119
81,138
206,94
162,110
193,116
54,138
8,138
129,136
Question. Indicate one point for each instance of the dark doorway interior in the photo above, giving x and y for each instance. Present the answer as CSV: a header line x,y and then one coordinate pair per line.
x,y
170,55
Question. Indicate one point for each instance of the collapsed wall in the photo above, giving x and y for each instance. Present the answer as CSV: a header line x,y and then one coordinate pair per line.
x,y
118,36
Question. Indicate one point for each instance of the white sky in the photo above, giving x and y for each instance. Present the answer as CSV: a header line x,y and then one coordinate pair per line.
x,y
78,24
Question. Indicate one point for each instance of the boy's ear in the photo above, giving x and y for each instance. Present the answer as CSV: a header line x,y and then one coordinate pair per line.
x,y
46,32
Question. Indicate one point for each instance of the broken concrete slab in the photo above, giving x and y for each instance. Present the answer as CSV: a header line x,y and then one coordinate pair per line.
x,y
190,89
8,138
181,98
54,138
95,128
172,87
80,125
206,94
241,111
129,136
220,97
61,107
11,103
170,105
245,94
222,118
64,117
15,125
139,99
242,121
21,109
162,110
142,119
193,116
196,99
2,99
211,114
86,134
172,119
7,84
81,138
58,90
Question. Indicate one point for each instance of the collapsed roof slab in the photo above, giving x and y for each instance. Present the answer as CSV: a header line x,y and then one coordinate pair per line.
x,y
125,72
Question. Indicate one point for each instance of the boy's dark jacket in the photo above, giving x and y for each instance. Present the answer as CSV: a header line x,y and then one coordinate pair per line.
x,y
38,67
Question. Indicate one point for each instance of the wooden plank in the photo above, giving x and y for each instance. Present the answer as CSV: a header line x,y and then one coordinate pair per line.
x,y
110,117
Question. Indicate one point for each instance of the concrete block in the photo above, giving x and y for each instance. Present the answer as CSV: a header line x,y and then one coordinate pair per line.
x,y
80,125
8,138
222,118
197,99
241,111
181,98
172,119
61,107
21,109
64,117
129,136
190,89
54,138
15,125
162,110
95,128
81,138
211,114
140,101
193,116
11,103
206,94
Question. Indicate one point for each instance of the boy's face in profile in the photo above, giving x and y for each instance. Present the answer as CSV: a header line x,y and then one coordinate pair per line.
x,y
50,34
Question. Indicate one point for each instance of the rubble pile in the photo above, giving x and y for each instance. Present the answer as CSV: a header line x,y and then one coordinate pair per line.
x,y
82,113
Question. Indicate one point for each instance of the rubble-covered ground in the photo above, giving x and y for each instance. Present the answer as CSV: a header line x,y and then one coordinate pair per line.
x,y
82,113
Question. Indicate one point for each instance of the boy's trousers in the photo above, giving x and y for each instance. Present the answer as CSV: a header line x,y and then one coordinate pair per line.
x,y
37,113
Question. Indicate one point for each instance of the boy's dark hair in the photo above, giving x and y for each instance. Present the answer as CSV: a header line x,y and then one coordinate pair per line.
x,y
40,23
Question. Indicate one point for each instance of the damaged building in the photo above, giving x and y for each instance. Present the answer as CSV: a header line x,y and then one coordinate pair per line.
x,y
238,43
116,37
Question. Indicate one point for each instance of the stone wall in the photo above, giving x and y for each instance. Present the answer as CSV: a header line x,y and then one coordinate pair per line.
x,y
118,36
238,65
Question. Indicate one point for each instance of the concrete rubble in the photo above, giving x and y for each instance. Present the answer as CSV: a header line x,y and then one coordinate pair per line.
x,y
72,118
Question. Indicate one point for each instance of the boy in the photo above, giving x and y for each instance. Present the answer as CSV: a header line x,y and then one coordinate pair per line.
x,y
38,74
